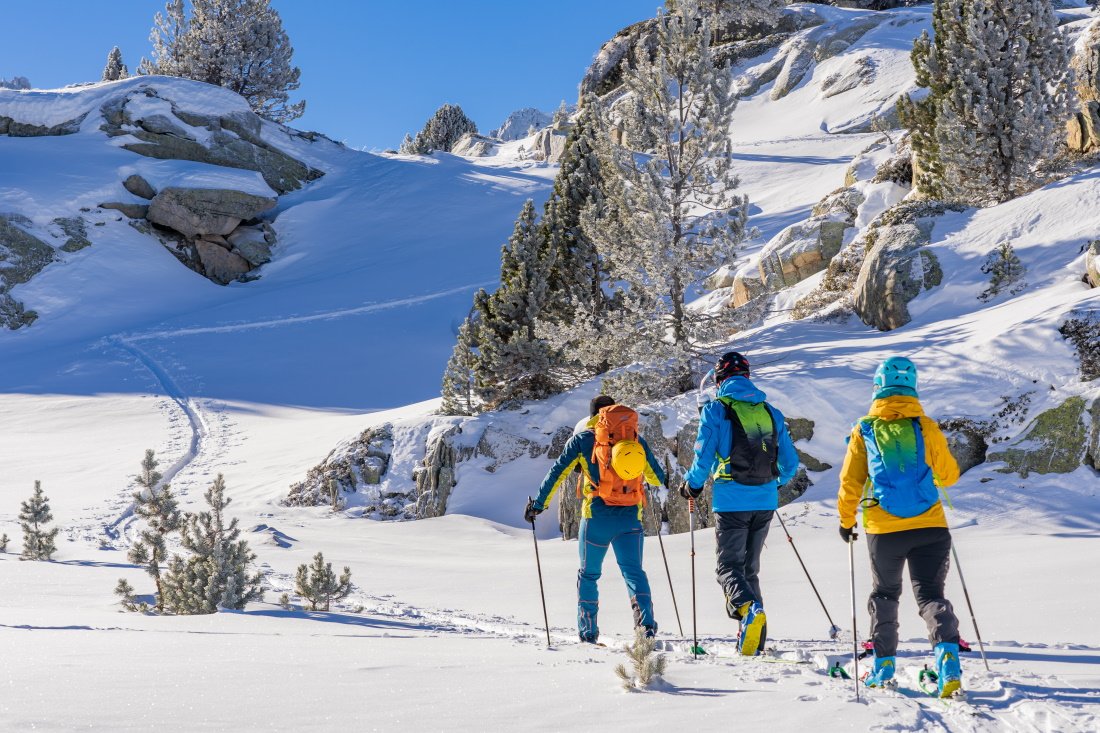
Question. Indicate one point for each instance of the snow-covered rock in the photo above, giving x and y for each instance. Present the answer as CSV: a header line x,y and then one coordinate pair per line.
x,y
1092,263
517,125
473,145
897,269
197,211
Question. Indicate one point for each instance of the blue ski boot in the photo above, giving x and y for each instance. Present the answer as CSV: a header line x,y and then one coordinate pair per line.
x,y
754,629
882,674
948,670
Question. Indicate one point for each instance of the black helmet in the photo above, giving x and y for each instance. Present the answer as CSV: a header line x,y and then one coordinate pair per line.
x,y
732,364
598,403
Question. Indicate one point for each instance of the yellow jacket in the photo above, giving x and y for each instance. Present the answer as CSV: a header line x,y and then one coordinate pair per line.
x,y
854,473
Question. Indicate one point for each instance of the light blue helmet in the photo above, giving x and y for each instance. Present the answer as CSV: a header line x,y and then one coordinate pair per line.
x,y
896,376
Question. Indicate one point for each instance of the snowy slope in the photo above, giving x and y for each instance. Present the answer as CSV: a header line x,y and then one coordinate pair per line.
x,y
350,326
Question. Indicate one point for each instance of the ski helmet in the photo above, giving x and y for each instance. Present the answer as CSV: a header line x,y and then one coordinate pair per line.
x,y
598,403
732,364
628,459
896,376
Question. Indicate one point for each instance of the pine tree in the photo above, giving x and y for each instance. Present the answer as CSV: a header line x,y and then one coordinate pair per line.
x,y
997,74
459,380
125,593
34,515
4,542
115,69
318,584
216,574
655,240
440,132
513,362
236,44
16,82
1006,272
155,504
646,664
577,303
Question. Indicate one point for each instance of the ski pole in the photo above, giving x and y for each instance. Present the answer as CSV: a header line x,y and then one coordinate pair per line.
x,y
696,650
855,633
834,630
538,564
664,518
969,605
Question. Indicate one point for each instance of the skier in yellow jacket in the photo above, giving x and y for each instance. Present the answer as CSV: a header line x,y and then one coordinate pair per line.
x,y
897,463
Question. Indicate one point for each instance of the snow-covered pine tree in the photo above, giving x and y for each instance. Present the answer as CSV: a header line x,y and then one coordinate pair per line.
x,y
1005,270
155,504
442,130
216,574
680,103
115,69
459,397
577,302
168,37
409,146
236,44
16,82
125,593
997,74
318,584
561,115
513,362
4,540
34,515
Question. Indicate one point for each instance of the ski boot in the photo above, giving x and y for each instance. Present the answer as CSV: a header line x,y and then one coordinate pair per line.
x,y
754,629
882,674
948,670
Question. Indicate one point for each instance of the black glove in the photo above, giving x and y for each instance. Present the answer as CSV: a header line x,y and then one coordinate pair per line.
x,y
531,511
848,534
689,493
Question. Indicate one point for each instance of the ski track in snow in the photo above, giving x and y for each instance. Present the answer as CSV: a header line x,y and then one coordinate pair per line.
x,y
294,320
206,438
196,421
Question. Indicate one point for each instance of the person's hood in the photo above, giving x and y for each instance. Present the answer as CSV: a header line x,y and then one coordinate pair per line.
x,y
742,390
585,423
896,407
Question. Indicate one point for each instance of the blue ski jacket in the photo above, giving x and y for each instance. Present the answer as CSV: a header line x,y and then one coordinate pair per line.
x,y
713,444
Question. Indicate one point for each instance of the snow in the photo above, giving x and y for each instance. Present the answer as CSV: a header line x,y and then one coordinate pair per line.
x,y
350,326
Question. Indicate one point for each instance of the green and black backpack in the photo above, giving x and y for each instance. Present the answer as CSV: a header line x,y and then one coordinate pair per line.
x,y
753,456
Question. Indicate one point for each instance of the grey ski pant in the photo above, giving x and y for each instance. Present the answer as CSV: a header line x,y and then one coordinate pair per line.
x,y
927,551
740,537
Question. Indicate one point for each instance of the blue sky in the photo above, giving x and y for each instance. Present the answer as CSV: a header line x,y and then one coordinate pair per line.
x,y
371,70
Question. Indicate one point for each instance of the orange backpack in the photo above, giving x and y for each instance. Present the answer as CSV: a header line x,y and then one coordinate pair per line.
x,y
616,423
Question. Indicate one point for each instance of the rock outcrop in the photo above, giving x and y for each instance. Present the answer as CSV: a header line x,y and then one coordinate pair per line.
x,y
473,145
1092,263
968,441
363,463
195,212
15,128
898,267
1055,442
549,144
435,477
1083,129
804,249
22,256
235,140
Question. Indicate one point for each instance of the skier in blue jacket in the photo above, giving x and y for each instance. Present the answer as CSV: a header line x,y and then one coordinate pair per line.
x,y
744,445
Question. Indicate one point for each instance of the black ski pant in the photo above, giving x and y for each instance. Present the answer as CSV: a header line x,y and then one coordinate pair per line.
x,y
740,537
927,551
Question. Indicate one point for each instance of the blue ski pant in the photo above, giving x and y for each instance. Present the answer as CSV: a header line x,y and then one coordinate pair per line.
x,y
620,529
